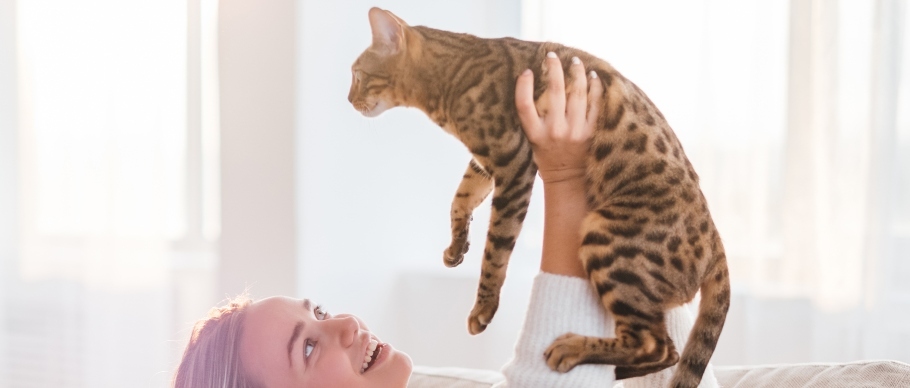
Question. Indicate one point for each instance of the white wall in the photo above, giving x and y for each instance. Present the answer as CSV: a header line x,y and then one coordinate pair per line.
x,y
374,195
256,57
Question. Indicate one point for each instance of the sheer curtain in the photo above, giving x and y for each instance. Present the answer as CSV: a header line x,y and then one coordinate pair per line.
x,y
8,163
110,181
794,113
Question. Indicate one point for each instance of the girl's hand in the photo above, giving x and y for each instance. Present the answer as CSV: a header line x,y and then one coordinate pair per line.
x,y
561,137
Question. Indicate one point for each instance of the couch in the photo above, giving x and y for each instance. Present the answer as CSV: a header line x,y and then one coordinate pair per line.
x,y
814,375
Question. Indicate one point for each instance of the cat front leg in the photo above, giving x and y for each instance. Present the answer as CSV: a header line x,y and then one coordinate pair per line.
x,y
474,188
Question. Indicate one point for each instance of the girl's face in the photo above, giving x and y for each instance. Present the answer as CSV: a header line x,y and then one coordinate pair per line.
x,y
292,343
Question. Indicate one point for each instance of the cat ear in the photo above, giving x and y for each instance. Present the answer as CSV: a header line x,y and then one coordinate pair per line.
x,y
388,30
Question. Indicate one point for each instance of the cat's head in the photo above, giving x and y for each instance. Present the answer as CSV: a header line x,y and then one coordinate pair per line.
x,y
374,73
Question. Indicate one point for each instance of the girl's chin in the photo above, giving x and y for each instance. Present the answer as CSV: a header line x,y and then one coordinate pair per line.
x,y
400,363
400,359
406,359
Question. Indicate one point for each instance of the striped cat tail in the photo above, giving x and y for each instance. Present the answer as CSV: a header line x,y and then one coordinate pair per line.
x,y
712,312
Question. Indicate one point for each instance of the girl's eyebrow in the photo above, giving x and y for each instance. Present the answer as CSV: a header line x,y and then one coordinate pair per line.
x,y
296,333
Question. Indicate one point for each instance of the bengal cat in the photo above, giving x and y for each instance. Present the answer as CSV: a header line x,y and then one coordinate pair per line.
x,y
649,243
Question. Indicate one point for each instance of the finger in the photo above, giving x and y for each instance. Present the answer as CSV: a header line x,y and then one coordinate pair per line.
x,y
524,102
576,102
556,87
595,102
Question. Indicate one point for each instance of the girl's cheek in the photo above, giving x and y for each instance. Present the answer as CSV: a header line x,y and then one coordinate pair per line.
x,y
334,370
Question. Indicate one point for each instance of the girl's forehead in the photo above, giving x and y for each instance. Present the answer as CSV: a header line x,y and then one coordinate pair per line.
x,y
283,301
274,308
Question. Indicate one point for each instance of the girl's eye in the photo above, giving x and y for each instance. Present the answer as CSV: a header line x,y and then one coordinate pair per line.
x,y
309,345
320,312
308,348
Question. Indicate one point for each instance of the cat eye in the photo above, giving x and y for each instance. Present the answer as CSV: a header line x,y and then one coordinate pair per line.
x,y
357,74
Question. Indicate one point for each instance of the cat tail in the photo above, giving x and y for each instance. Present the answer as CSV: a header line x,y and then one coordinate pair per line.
x,y
712,312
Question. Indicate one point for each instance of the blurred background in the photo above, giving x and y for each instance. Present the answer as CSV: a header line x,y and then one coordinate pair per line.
x,y
159,156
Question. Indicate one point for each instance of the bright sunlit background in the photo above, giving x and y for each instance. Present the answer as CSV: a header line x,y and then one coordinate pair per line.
x,y
159,156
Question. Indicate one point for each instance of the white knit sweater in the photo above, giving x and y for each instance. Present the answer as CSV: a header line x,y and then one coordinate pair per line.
x,y
561,304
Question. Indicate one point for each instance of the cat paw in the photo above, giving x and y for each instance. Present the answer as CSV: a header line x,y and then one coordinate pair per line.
x,y
454,254
565,352
480,317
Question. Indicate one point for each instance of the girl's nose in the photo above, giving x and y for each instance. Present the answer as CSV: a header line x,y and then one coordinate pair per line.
x,y
347,329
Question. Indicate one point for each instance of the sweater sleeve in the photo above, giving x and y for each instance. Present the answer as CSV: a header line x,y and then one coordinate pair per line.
x,y
559,305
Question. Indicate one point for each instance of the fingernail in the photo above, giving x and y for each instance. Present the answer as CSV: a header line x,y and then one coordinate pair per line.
x,y
593,74
526,72
551,55
575,60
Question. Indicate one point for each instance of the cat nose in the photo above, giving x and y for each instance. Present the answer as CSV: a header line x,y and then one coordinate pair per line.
x,y
353,92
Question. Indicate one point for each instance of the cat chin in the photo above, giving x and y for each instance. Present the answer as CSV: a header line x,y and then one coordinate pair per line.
x,y
377,109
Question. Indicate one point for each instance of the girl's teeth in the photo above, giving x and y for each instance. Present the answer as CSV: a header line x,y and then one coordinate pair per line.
x,y
369,356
